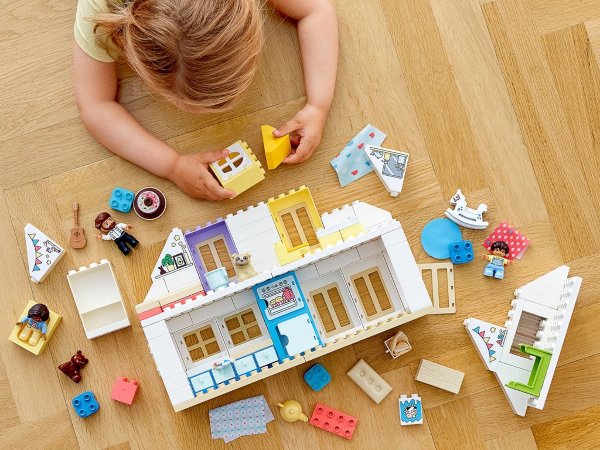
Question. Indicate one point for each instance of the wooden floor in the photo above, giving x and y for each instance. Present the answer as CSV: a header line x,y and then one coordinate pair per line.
x,y
498,97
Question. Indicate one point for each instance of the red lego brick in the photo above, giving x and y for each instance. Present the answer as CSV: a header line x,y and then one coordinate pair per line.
x,y
124,390
335,422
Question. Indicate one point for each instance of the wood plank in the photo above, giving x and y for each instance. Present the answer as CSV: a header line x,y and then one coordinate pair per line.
x,y
489,109
577,431
552,15
544,127
449,138
522,439
593,30
454,425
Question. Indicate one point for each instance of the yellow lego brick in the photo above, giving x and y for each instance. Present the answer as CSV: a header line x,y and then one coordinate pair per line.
x,y
41,345
240,170
276,149
351,231
330,239
285,257
294,200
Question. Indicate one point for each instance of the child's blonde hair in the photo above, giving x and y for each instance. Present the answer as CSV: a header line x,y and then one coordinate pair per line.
x,y
196,53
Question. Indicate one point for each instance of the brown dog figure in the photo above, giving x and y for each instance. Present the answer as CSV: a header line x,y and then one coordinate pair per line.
x,y
71,368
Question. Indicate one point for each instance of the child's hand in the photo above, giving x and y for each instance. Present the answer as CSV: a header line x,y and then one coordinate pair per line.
x,y
191,174
305,130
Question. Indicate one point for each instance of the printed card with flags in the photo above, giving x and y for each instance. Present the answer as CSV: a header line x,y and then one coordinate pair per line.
x,y
43,253
489,340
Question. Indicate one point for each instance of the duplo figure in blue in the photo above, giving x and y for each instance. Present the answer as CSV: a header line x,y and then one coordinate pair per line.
x,y
497,260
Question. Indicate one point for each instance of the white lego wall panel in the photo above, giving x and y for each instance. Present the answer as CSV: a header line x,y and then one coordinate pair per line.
x,y
547,289
370,215
157,290
177,381
407,277
181,279
244,218
213,310
370,248
338,217
155,330
165,355
179,323
566,311
517,400
306,273
392,238
181,395
336,262
244,298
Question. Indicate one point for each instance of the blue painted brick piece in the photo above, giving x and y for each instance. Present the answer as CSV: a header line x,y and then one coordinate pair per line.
x,y
121,199
461,252
85,404
317,377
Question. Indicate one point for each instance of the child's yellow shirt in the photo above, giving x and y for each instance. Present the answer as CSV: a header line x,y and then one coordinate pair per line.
x,y
84,29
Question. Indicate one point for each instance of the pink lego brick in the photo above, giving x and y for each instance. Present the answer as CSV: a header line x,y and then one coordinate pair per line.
x,y
150,313
124,390
335,422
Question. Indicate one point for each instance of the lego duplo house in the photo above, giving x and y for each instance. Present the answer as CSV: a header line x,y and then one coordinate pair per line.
x,y
320,283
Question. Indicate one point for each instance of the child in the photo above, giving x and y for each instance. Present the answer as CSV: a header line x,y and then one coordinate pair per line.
x,y
497,260
199,55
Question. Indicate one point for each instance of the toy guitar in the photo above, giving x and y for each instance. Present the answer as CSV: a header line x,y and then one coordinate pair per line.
x,y
77,239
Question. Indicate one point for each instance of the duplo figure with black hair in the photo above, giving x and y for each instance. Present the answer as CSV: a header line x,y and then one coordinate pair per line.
x,y
35,324
497,259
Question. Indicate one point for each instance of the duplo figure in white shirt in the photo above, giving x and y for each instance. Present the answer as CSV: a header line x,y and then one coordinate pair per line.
x,y
110,230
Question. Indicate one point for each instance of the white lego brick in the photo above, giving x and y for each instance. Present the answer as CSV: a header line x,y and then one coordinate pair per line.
x,y
517,400
547,289
370,215
338,216
407,277
212,311
182,278
244,218
411,410
568,303
166,356
265,228
439,376
370,248
43,253
181,395
338,261
179,323
155,330
243,298
177,381
306,273
394,237
156,291
369,381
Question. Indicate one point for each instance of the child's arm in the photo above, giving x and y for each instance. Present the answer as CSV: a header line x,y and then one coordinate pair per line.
x,y
117,130
318,37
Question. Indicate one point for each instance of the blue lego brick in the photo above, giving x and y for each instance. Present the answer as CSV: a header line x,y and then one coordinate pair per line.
x,y
85,404
461,252
317,377
121,199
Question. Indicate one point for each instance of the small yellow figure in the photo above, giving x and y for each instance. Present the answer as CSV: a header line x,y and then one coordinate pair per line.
x,y
291,411
34,325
